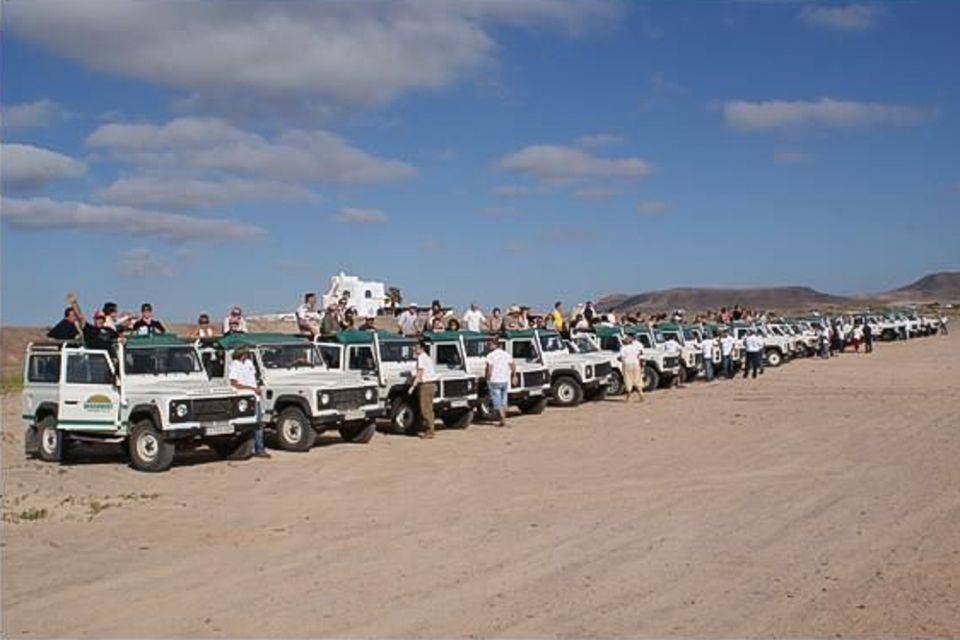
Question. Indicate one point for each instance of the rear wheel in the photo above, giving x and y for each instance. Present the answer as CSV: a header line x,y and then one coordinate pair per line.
x,y
485,412
566,391
360,431
534,407
51,440
294,432
651,379
459,419
235,448
615,388
403,416
148,450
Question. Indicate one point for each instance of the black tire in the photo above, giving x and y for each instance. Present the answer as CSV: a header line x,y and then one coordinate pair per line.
x,y
148,450
566,391
534,407
597,395
774,358
485,412
403,415
359,431
294,432
457,419
616,387
51,445
651,378
235,448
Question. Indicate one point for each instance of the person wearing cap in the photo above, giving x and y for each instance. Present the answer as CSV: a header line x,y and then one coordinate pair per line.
x,y
423,385
407,321
368,324
243,377
99,335
146,324
235,322
331,320
631,355
500,370
513,322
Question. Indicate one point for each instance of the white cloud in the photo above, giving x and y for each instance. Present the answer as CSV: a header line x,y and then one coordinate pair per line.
x,y
594,140
27,168
342,53
789,156
851,17
211,144
767,115
28,115
44,214
162,192
143,263
652,207
352,215
559,163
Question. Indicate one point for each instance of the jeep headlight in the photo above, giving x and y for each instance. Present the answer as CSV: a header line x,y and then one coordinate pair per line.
x,y
589,372
469,385
324,399
179,410
242,405
370,395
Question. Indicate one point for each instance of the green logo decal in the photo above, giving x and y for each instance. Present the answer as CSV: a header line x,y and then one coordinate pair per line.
x,y
98,403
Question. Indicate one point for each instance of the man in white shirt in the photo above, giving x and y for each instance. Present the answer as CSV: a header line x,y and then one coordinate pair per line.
x,y
473,318
407,321
727,344
308,318
672,348
706,349
631,355
500,370
423,385
753,345
243,377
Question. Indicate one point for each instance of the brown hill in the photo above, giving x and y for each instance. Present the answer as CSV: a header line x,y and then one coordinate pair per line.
x,y
937,287
696,299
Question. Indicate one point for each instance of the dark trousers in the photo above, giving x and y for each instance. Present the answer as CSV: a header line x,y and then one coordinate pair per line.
x,y
754,360
708,369
727,366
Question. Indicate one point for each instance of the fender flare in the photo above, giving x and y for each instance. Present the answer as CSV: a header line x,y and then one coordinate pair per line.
x,y
282,402
149,410
573,373
45,409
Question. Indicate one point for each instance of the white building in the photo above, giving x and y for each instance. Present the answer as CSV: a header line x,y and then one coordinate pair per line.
x,y
367,296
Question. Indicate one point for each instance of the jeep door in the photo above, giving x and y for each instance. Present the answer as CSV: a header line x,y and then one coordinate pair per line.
x,y
89,398
332,355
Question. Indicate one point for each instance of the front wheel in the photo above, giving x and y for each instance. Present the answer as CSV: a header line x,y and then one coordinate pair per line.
x,y
651,379
597,394
51,440
566,391
774,358
616,387
360,431
294,432
403,416
459,419
534,407
234,448
485,412
148,450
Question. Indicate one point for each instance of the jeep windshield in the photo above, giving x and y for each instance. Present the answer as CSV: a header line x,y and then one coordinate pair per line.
x,y
291,356
475,348
585,345
689,335
161,360
398,351
552,342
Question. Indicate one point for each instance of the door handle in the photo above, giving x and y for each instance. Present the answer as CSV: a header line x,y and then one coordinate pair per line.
x,y
71,402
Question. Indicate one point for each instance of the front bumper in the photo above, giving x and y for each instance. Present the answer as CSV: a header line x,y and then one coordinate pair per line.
x,y
516,396
339,416
194,430
455,404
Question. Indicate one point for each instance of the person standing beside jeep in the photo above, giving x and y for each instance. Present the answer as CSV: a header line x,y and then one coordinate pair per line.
x,y
243,377
754,356
500,370
631,355
423,385
726,353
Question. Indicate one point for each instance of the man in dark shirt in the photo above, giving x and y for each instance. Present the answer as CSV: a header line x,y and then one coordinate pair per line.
x,y
66,329
98,335
147,325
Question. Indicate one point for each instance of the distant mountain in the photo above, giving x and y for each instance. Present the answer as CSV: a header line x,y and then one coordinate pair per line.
x,y
694,299
936,287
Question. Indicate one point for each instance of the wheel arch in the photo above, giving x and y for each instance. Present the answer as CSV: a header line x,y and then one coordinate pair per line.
x,y
145,412
285,402
44,410
569,373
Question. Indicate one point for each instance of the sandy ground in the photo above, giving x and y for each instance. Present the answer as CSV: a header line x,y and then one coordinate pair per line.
x,y
821,500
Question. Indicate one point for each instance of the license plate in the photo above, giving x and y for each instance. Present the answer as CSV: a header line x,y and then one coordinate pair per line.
x,y
458,403
536,392
354,415
218,429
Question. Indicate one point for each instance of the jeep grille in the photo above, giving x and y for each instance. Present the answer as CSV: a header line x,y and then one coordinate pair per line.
x,y
535,378
455,388
671,362
212,409
348,399
603,369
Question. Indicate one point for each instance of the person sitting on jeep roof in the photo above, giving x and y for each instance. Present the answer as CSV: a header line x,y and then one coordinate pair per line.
x,y
99,335
331,320
407,321
473,318
368,324
203,328
235,322
495,321
308,319
453,324
146,324
68,328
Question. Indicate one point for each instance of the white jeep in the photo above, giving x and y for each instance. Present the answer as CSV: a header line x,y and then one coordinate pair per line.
x,y
154,397
609,340
392,360
664,367
691,356
529,393
574,376
302,398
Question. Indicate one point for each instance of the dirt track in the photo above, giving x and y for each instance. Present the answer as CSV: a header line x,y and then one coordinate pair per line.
x,y
822,499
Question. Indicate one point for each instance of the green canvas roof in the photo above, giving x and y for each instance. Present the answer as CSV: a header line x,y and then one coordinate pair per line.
x,y
636,328
667,326
156,340
528,333
235,340
454,336
607,332
366,337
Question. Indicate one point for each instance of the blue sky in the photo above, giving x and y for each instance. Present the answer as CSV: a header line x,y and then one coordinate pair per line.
x,y
200,155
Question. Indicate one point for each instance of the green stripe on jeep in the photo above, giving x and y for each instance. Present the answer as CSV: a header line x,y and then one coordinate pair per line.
x,y
109,422
27,416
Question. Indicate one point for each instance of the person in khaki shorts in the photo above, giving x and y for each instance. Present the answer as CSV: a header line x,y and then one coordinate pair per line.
x,y
631,354
424,386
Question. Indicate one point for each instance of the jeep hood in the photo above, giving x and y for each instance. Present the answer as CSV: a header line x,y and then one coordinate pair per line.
x,y
161,385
